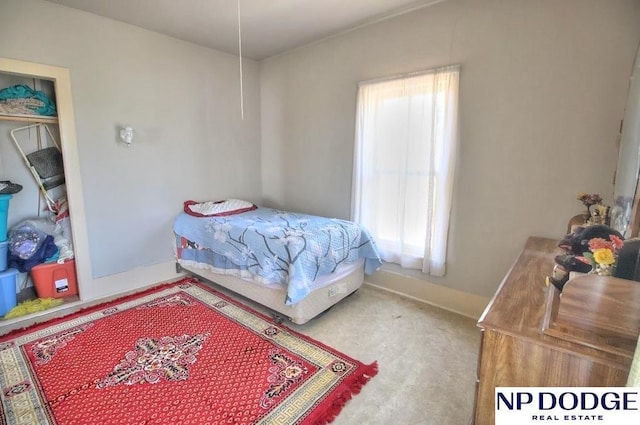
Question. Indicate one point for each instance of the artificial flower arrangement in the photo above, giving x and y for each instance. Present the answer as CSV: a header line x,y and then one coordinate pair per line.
x,y
597,212
587,249
602,254
589,199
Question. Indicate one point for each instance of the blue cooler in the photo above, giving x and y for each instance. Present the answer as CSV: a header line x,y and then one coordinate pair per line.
x,y
4,215
8,279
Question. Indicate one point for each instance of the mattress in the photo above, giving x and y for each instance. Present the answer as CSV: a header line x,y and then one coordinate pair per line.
x,y
297,265
270,245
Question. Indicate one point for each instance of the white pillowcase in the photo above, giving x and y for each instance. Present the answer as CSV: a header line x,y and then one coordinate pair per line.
x,y
219,207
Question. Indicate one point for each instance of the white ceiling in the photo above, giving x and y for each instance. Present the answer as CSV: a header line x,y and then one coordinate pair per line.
x,y
269,27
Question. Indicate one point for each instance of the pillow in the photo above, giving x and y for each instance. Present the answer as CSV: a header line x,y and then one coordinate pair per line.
x,y
217,208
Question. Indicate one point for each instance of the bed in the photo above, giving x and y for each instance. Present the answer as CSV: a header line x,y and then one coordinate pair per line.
x,y
296,265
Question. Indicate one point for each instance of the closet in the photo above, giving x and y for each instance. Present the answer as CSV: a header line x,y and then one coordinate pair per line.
x,y
26,135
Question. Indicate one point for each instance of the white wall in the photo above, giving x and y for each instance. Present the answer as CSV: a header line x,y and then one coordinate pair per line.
x,y
543,90
182,101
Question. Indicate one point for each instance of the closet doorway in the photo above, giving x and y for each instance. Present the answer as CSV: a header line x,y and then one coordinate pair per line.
x,y
56,80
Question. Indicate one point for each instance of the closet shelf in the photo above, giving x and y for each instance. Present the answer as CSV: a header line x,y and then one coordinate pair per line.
x,y
29,118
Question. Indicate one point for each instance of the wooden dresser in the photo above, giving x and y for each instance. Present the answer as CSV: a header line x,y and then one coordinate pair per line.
x,y
533,336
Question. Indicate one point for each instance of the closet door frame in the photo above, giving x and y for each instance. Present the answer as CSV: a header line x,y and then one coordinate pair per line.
x,y
66,122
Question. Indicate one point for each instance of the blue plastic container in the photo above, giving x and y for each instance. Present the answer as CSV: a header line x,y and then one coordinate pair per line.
x,y
8,279
4,255
4,215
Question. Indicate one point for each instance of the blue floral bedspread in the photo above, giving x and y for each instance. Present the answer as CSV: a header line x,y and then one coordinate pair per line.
x,y
280,246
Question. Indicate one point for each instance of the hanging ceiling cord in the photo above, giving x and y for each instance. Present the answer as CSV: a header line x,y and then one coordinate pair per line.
x,y
240,60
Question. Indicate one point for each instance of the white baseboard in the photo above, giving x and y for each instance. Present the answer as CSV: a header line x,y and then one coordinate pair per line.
x,y
463,303
460,302
121,284
130,281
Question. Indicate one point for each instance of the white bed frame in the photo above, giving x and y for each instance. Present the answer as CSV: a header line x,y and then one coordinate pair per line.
x,y
328,291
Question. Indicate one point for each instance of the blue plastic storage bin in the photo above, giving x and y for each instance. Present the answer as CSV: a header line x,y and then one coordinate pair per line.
x,y
4,215
4,255
8,279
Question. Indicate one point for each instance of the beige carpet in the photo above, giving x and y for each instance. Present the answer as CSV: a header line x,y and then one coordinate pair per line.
x,y
427,358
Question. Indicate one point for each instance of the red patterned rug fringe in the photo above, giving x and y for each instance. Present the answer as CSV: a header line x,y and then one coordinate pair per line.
x,y
341,399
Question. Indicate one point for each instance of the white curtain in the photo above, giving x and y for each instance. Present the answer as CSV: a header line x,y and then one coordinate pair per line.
x,y
404,163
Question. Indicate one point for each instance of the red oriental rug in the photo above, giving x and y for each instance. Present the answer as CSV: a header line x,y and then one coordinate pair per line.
x,y
180,353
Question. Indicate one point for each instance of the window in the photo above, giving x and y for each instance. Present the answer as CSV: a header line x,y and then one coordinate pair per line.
x,y
405,150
